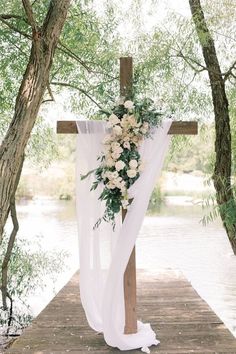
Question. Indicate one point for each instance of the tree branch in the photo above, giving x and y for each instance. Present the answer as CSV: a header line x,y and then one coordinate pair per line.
x,y
11,241
78,89
24,34
50,92
63,48
190,60
10,16
229,71
30,15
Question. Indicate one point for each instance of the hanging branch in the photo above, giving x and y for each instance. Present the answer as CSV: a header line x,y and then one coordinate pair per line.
x,y
11,241
78,89
15,29
190,61
229,72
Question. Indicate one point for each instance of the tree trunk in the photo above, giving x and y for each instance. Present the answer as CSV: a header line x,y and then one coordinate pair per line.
x,y
11,242
29,98
222,170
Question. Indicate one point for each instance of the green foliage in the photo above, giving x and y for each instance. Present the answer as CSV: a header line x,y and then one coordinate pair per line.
x,y
226,210
120,162
196,153
81,70
29,269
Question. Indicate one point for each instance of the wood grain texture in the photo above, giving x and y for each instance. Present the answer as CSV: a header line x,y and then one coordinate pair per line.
x,y
130,292
184,323
180,127
130,295
126,77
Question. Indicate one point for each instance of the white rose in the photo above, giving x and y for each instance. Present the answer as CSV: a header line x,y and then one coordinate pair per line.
x,y
126,145
131,173
141,167
113,119
110,162
110,185
118,182
124,121
115,156
106,149
120,101
132,121
129,105
115,174
109,175
143,130
119,165
115,145
117,130
133,164
106,139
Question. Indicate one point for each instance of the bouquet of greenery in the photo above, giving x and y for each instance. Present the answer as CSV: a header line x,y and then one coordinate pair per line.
x,y
120,162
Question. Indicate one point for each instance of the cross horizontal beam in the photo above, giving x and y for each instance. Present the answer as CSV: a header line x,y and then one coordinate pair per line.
x,y
178,127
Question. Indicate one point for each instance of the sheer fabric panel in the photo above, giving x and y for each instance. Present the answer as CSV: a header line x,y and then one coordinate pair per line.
x,y
104,253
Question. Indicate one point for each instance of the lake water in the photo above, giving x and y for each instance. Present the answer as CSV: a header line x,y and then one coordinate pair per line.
x,y
174,238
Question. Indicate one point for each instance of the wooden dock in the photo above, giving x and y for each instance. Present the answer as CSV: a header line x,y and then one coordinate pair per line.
x,y
184,323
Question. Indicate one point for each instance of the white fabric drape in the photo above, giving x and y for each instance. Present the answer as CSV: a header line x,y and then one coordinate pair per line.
x,y
104,253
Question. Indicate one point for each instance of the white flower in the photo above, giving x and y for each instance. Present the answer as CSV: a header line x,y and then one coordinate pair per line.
x,y
117,130
106,139
115,156
113,119
106,149
143,130
115,145
120,101
126,145
133,164
110,185
116,148
129,105
132,121
110,162
131,173
115,175
141,167
124,121
119,165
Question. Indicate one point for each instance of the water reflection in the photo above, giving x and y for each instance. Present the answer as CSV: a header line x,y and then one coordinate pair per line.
x,y
174,238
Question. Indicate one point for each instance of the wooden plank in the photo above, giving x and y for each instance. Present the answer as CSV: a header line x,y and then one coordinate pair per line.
x,y
178,127
61,327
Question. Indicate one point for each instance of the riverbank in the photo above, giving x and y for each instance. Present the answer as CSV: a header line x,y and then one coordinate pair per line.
x,y
58,182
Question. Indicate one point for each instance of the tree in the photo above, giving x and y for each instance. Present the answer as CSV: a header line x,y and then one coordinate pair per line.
x,y
80,62
44,39
223,162
170,60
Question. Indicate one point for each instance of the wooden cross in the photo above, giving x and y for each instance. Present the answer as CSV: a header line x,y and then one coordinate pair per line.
x,y
180,127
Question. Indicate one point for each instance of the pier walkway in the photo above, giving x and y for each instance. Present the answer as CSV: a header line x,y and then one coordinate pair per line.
x,y
184,323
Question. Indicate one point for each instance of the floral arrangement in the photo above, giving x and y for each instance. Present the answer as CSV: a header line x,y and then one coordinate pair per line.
x,y
120,162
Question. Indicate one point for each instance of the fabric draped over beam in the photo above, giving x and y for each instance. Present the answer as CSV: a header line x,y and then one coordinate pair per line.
x,y
104,253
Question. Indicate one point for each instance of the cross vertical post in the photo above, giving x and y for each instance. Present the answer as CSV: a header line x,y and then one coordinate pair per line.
x,y
126,80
